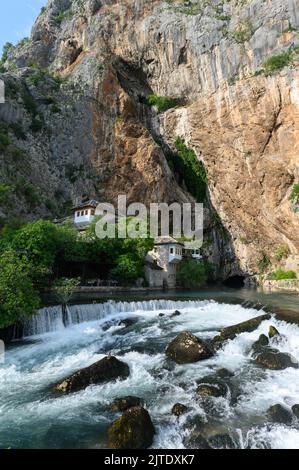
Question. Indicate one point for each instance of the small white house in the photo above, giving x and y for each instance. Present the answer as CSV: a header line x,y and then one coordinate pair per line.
x,y
166,254
84,213
163,260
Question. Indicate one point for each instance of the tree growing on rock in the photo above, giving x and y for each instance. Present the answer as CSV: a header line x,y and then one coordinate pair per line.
x,y
64,289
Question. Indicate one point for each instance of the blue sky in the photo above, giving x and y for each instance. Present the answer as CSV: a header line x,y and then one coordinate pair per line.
x,y
17,18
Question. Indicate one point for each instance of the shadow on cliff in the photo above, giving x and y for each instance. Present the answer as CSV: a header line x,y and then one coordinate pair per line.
x,y
222,254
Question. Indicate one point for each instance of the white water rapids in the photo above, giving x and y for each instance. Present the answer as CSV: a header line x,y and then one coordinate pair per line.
x,y
32,416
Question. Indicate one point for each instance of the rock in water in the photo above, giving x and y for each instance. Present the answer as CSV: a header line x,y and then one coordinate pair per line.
x,y
295,410
133,430
108,368
260,344
221,441
179,409
276,360
231,332
212,388
124,403
273,332
187,348
196,441
175,314
279,414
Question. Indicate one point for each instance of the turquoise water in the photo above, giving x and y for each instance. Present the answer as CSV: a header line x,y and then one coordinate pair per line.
x,y
32,416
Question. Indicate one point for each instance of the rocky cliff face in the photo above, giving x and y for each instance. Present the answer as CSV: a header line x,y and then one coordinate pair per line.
x,y
78,124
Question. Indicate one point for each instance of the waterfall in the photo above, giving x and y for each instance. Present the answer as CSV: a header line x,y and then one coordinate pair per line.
x,y
50,318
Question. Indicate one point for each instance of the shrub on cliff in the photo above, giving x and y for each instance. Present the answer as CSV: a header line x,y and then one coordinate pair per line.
x,y
162,103
280,274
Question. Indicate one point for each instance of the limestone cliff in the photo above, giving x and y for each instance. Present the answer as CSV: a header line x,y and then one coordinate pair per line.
x,y
78,123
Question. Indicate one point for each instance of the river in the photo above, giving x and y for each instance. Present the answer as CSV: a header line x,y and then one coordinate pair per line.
x,y
32,416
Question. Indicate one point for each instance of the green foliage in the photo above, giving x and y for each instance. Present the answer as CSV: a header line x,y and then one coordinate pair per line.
x,y
5,189
37,124
282,251
7,48
64,288
127,269
162,103
294,196
280,274
264,263
192,273
277,62
37,76
4,140
18,130
41,246
61,16
243,32
189,170
18,299
38,240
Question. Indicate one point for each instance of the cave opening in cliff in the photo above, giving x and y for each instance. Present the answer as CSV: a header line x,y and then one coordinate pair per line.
x,y
236,282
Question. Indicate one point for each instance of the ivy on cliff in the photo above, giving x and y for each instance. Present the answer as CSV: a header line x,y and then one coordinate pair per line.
x,y
188,170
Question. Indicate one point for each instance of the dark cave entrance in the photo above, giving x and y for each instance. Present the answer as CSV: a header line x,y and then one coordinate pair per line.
x,y
236,282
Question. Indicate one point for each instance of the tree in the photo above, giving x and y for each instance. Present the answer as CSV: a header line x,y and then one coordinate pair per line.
x,y
192,273
127,269
39,241
64,289
18,299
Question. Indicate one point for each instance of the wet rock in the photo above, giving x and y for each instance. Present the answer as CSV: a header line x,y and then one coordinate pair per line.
x,y
212,387
196,441
212,390
260,344
224,373
179,409
273,332
187,348
221,441
126,323
161,314
232,331
175,314
124,403
279,414
108,368
276,360
295,410
133,430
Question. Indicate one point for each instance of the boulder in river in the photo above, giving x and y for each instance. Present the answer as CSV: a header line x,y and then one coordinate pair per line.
x,y
260,345
187,348
108,368
224,373
179,409
175,314
295,410
124,403
276,360
196,441
231,332
133,430
221,441
212,388
279,414
273,332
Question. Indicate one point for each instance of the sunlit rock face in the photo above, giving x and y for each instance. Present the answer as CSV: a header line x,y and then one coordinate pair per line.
x,y
98,137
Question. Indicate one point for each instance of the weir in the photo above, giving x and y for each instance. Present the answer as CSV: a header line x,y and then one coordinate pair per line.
x,y
50,318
